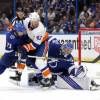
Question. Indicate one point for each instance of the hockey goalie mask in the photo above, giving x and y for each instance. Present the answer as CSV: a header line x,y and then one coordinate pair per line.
x,y
67,48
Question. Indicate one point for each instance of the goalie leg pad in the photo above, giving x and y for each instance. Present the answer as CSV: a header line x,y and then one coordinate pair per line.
x,y
70,82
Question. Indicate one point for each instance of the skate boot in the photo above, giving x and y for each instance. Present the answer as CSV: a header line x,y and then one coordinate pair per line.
x,y
33,81
94,85
46,82
17,77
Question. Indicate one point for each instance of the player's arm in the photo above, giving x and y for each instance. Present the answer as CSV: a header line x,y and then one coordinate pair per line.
x,y
37,41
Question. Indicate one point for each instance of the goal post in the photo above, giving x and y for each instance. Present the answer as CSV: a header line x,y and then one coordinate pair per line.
x,y
89,45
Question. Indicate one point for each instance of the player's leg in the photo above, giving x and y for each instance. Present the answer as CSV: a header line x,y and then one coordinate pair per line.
x,y
21,56
41,64
20,67
7,60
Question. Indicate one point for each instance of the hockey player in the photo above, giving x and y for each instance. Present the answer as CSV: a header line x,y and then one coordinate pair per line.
x,y
19,19
61,64
13,41
56,50
39,46
60,60
64,67
64,60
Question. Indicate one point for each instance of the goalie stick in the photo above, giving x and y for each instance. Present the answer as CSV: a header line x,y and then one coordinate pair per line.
x,y
94,61
51,58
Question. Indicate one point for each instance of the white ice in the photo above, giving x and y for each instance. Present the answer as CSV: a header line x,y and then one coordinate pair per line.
x,y
9,91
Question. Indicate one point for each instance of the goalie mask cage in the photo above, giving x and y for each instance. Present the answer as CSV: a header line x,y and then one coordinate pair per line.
x,y
89,45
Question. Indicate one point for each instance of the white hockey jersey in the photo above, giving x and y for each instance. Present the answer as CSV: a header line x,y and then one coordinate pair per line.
x,y
37,35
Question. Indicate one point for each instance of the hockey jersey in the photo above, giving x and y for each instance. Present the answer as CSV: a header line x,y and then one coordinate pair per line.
x,y
37,35
63,61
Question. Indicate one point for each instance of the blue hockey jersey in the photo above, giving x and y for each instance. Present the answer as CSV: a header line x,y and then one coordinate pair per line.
x,y
12,41
64,61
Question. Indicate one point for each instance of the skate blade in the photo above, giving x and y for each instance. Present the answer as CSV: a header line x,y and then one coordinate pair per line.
x,y
46,88
94,88
33,84
17,83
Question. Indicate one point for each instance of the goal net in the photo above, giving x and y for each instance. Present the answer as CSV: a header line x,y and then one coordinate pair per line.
x,y
89,45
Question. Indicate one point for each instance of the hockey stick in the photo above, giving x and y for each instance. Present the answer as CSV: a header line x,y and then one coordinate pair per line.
x,y
94,61
47,58
51,58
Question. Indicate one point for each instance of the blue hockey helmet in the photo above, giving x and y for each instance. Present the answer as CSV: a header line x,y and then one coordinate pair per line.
x,y
19,27
68,46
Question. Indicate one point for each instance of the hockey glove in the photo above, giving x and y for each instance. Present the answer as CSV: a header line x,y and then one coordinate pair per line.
x,y
26,48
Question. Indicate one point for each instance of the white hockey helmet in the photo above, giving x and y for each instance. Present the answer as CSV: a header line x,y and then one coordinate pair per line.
x,y
34,16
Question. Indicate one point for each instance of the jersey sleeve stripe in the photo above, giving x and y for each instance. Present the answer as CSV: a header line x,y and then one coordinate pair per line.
x,y
45,37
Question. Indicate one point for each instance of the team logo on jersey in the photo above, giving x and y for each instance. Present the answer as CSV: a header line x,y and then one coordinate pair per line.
x,y
12,37
97,44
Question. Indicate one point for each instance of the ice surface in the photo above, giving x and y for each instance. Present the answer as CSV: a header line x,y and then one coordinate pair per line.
x,y
9,91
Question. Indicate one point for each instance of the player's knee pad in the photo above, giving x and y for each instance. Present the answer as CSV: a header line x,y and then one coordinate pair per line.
x,y
8,59
41,63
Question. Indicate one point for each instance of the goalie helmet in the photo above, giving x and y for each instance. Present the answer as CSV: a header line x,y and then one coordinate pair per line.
x,y
68,45
34,16
67,48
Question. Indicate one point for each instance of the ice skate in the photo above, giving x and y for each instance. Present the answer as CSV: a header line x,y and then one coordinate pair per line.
x,y
94,85
47,83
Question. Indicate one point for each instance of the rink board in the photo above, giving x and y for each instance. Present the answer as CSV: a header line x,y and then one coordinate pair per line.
x,y
90,45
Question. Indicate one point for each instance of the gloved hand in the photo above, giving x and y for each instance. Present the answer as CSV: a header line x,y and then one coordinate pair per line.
x,y
26,48
23,52
22,49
